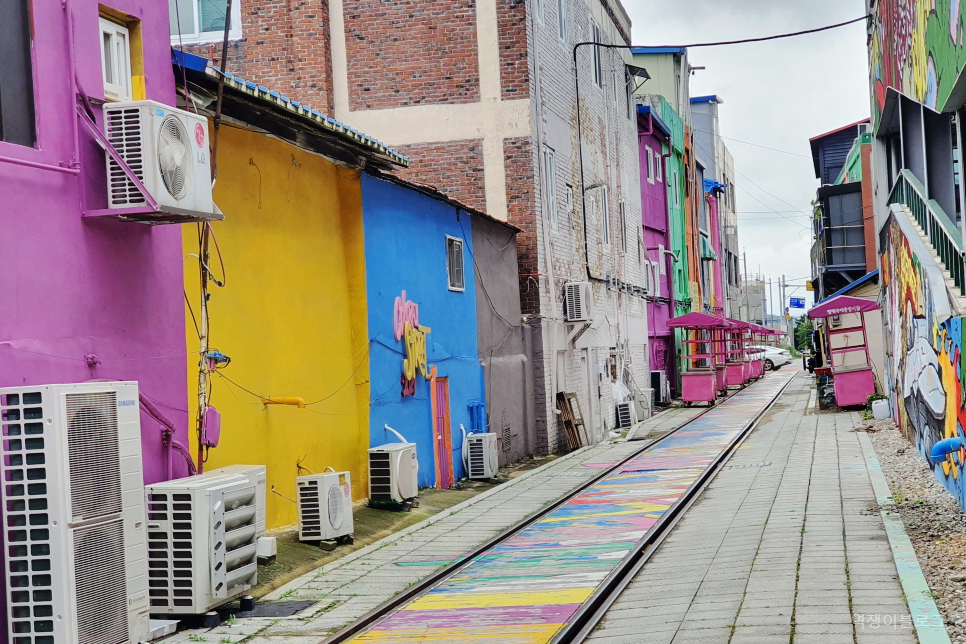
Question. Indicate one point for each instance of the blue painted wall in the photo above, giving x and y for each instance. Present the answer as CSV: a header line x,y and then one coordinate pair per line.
x,y
405,243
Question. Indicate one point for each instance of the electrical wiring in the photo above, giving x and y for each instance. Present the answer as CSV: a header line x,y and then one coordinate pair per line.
x,y
221,260
792,34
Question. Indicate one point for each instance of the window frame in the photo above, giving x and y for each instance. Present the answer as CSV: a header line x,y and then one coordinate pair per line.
x,y
596,36
461,287
604,216
549,168
121,69
19,79
540,10
562,18
659,166
234,33
622,215
650,164
674,188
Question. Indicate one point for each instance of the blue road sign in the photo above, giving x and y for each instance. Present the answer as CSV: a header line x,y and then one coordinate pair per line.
x,y
797,302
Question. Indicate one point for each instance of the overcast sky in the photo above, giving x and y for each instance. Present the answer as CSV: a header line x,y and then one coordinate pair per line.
x,y
776,94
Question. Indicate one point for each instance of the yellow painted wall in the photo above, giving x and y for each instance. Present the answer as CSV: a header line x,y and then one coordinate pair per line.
x,y
292,315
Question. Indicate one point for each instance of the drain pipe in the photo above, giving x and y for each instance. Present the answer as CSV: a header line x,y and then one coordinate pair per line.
x,y
167,438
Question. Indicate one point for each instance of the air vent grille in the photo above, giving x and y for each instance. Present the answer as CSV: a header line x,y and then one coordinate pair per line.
x,y
92,445
310,521
32,606
477,459
380,476
124,127
101,590
170,550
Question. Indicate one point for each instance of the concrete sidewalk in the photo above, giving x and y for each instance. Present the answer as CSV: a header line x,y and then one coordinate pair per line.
x,y
786,544
346,589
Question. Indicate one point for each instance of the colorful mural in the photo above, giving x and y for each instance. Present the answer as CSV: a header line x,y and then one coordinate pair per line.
x,y
918,47
526,588
924,358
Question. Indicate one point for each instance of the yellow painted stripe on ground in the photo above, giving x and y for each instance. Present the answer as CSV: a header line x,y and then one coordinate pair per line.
x,y
464,599
517,634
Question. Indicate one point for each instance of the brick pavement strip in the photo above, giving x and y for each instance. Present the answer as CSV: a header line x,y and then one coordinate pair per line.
x,y
778,553
349,587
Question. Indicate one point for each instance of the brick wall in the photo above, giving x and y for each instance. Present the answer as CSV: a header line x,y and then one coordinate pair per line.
x,y
411,52
454,167
285,46
514,72
518,160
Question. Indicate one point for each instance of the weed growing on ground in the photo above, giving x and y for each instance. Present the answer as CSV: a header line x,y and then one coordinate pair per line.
x,y
197,638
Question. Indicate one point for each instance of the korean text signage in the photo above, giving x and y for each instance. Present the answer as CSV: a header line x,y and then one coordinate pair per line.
x,y
797,302
405,324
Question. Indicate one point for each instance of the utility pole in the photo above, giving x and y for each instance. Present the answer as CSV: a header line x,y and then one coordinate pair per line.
x,y
770,301
747,317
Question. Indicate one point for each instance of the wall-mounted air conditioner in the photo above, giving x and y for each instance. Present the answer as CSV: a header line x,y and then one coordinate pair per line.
x,y
393,472
482,460
626,414
578,301
167,149
202,542
74,532
324,506
662,391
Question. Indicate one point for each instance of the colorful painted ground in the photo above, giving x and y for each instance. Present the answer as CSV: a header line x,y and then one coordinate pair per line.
x,y
526,588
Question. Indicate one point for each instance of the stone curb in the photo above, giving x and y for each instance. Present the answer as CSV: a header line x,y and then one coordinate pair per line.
x,y
914,586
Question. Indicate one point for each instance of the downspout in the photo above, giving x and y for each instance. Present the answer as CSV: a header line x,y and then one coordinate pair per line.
x,y
168,441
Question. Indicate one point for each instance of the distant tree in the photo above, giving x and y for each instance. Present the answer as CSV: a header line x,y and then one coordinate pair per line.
x,y
803,333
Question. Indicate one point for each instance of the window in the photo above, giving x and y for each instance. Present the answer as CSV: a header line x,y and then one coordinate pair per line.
x,y
655,279
17,123
623,222
650,165
629,87
676,189
660,259
115,61
454,263
604,217
538,7
194,21
562,20
598,63
570,200
549,185
658,166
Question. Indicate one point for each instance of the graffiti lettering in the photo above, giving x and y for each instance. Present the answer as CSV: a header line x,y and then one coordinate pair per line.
x,y
415,352
408,386
404,312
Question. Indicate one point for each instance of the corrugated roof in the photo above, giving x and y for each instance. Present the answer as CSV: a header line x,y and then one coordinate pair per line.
x,y
707,99
659,50
262,93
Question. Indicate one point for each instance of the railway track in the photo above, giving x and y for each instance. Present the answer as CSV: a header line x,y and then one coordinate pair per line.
x,y
552,577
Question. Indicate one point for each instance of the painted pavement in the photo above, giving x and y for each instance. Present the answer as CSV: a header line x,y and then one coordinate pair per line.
x,y
526,588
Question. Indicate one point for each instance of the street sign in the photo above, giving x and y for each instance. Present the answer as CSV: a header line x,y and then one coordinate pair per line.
x,y
797,302
809,286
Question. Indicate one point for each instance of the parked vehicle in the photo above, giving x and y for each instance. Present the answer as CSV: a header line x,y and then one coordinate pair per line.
x,y
775,358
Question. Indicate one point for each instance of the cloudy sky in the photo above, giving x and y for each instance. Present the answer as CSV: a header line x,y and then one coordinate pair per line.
x,y
776,94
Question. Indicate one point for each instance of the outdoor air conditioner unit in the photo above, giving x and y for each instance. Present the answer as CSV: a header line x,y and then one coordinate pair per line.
x,y
74,533
662,393
483,461
324,506
202,534
626,414
578,301
167,149
393,471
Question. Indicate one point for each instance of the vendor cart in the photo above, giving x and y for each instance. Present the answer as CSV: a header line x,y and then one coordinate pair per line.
x,y
700,354
737,335
849,363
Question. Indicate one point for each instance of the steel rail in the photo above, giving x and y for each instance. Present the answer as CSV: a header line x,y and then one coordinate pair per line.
x,y
369,618
592,611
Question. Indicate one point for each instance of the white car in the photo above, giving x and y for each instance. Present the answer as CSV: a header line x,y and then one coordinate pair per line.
x,y
775,358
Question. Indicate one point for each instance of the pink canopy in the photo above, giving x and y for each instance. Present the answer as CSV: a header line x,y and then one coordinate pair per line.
x,y
841,305
739,324
696,321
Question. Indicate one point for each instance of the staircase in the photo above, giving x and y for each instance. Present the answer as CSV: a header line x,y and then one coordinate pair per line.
x,y
940,240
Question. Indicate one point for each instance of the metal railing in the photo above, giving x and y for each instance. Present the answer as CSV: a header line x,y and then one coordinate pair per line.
x,y
943,234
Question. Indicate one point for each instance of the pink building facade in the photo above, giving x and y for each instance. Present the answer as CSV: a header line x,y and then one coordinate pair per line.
x,y
654,144
85,298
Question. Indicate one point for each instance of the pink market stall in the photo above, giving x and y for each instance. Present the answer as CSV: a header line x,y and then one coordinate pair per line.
x,y
701,353
737,337
848,347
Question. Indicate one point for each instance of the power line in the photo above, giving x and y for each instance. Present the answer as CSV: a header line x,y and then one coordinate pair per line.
x,y
757,145
775,37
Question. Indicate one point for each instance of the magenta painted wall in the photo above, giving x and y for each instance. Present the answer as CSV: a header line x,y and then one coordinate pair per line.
x,y
654,207
73,287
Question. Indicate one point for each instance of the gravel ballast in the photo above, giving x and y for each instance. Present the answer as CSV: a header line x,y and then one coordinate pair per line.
x,y
933,519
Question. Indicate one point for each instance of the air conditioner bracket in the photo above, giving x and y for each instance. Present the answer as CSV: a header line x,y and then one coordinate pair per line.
x,y
575,331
